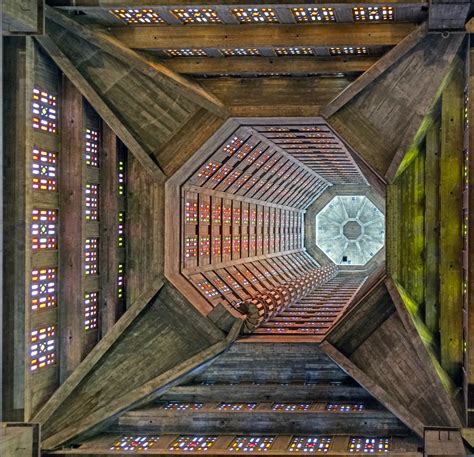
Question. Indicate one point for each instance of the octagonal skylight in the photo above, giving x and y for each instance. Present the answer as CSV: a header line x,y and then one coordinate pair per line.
x,y
350,230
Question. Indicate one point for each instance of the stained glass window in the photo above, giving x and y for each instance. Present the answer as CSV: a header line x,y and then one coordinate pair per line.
x,y
291,406
345,407
372,13
91,210
216,245
121,229
190,246
348,51
240,52
310,444
121,177
42,347
204,213
227,215
236,215
310,14
186,52
251,443
197,15
204,245
43,288
216,214
43,169
232,146
236,244
138,16
209,169
44,111
121,281
227,244
191,212
189,443
134,443
91,253
255,15
178,406
296,51
237,406
221,173
90,310
368,445
44,229
92,148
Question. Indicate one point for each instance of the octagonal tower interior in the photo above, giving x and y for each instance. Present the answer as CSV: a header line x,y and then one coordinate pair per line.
x,y
266,203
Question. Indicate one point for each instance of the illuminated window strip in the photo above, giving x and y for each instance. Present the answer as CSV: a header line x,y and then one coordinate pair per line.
x,y
134,443
238,52
369,445
121,281
91,254
138,16
44,111
291,406
236,406
310,14
185,52
372,13
190,443
92,148
251,443
178,406
247,15
43,288
348,51
197,15
121,177
191,246
44,229
43,170
121,229
310,444
90,310
91,211
294,51
42,347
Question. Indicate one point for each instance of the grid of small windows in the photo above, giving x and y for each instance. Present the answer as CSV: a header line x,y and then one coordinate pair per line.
x,y
43,288
345,407
232,146
190,443
91,210
236,406
227,244
204,213
251,443
134,443
207,288
91,254
177,406
209,169
43,169
138,16
348,51
44,111
191,246
92,148
216,245
247,15
121,177
90,310
296,51
44,229
42,347
121,229
191,212
310,444
290,406
186,52
121,281
368,445
204,245
372,13
197,15
235,52
310,14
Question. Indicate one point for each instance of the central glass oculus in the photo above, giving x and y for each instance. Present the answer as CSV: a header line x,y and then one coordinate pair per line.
x,y
350,230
